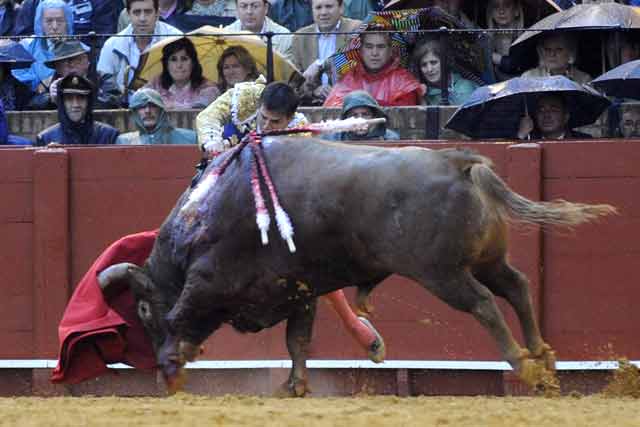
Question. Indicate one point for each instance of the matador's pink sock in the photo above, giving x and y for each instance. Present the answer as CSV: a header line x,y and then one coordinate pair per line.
x,y
357,329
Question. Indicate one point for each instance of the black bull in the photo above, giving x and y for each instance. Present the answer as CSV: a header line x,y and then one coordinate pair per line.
x,y
360,214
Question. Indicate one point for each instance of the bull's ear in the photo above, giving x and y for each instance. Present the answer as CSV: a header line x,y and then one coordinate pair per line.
x,y
116,278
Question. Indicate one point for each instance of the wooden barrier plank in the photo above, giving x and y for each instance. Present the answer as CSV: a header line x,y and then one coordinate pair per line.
x,y
108,163
620,192
597,158
15,164
16,201
525,241
17,343
51,246
592,306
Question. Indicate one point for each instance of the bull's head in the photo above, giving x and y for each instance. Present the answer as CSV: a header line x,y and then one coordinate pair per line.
x,y
152,308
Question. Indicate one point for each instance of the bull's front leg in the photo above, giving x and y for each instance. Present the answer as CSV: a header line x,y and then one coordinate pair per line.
x,y
192,319
299,330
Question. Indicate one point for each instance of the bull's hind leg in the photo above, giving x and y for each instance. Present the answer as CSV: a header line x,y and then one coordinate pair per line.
x,y
299,330
507,282
463,292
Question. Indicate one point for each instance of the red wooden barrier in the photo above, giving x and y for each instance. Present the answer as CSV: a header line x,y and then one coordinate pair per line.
x,y
63,207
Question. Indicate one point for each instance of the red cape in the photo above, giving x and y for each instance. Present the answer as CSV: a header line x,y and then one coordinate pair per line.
x,y
94,332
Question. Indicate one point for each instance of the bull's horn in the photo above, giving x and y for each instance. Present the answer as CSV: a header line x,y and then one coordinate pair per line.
x,y
115,278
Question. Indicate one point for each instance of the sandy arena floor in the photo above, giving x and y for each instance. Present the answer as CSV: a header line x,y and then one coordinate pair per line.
x,y
191,410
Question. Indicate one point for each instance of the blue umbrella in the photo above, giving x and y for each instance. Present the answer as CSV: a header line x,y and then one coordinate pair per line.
x,y
15,54
622,82
494,111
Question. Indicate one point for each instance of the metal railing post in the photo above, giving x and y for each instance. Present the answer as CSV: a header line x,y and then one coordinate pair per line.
x,y
444,68
270,73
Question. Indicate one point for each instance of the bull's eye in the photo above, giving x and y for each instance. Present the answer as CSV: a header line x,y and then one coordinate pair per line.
x,y
144,310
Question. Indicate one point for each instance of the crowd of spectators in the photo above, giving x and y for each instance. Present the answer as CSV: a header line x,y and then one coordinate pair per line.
x,y
101,71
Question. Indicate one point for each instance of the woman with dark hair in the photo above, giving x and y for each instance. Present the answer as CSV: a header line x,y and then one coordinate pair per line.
x,y
181,83
427,61
234,66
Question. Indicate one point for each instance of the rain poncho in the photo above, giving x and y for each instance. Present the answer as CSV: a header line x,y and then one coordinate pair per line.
x,y
162,133
391,86
360,98
86,131
42,49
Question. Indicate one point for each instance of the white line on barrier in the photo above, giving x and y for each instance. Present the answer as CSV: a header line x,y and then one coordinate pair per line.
x,y
476,365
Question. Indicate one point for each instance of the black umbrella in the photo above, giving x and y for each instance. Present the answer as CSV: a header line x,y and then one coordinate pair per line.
x,y
589,20
15,54
494,111
622,81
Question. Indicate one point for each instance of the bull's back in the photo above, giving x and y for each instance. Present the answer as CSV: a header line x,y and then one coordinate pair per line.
x,y
375,202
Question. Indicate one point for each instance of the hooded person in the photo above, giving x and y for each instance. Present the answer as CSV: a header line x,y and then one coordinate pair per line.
x,y
360,104
150,116
53,18
75,98
5,137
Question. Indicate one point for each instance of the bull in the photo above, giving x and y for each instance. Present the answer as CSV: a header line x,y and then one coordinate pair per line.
x,y
361,213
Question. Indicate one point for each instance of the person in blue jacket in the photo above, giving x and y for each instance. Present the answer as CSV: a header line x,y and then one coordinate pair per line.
x,y
75,112
100,16
53,18
5,137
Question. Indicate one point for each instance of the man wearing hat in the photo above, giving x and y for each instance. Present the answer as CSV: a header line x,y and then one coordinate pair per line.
x,y
72,56
149,115
75,96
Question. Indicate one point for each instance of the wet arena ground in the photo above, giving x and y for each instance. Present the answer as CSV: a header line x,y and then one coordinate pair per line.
x,y
192,410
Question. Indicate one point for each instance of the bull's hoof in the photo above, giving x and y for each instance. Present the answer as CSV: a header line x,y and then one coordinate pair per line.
x,y
363,306
188,352
297,388
377,350
541,380
547,357
175,377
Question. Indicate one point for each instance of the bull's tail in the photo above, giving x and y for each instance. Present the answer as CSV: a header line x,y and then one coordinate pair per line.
x,y
515,206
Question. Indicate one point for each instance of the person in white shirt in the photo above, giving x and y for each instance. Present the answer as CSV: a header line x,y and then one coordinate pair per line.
x,y
311,52
120,56
252,17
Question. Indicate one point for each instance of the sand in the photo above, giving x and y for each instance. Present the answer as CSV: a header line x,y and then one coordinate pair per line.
x,y
193,410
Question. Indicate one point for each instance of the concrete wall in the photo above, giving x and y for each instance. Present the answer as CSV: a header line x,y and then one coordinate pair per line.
x,y
409,122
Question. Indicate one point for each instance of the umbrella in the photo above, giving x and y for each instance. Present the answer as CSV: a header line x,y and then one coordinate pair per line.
x,y
15,54
494,111
588,19
623,81
476,10
467,53
210,42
